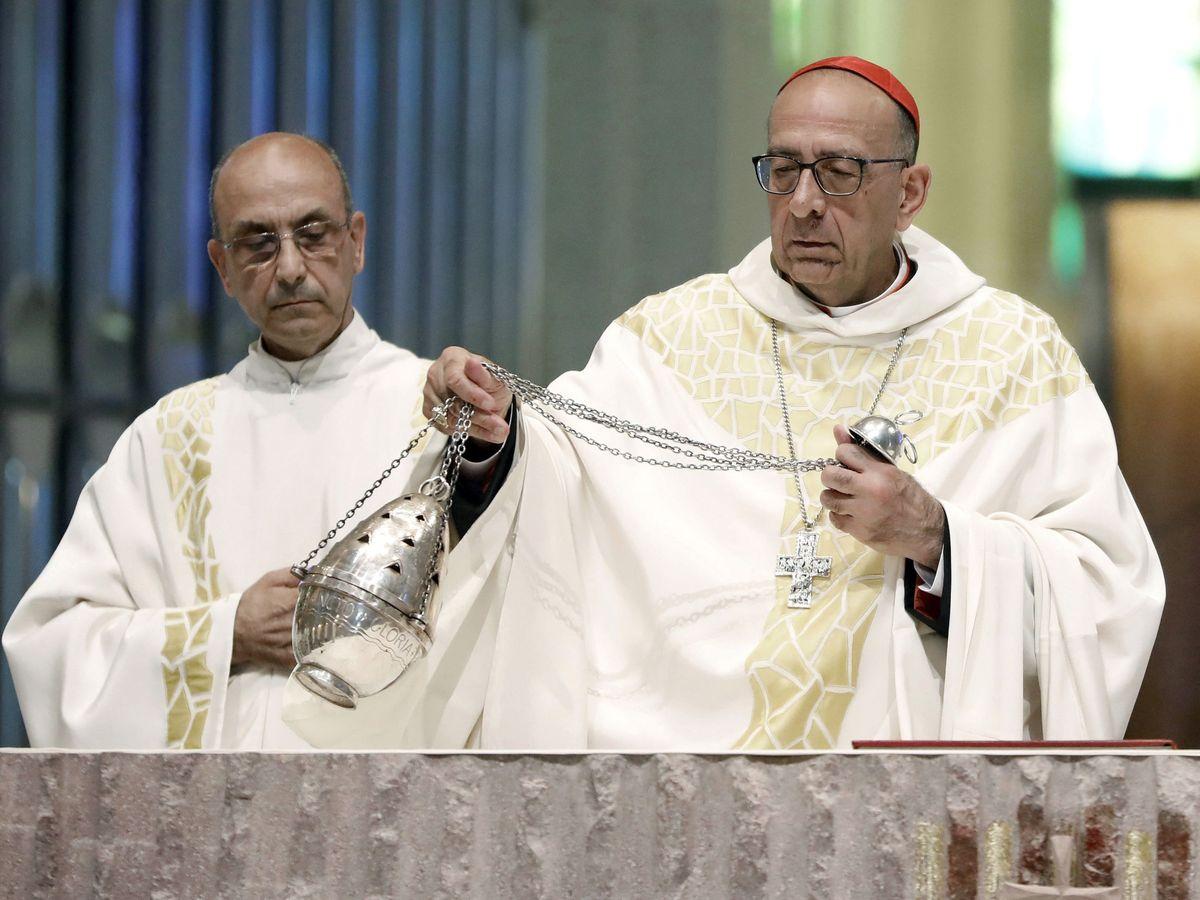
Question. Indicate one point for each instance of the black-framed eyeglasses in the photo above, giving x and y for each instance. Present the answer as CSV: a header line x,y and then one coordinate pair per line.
x,y
837,176
316,239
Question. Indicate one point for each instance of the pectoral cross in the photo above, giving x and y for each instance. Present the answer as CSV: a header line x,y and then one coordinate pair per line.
x,y
803,568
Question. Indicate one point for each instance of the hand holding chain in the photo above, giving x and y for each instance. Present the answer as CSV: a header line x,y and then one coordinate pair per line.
x,y
810,524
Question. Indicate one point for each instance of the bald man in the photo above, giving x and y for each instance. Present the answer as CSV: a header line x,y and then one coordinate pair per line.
x,y
998,584
164,618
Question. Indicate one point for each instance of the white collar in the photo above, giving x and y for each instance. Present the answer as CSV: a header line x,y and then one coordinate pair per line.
x,y
941,280
334,362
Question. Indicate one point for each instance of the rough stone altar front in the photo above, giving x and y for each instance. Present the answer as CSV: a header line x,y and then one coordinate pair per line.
x,y
601,825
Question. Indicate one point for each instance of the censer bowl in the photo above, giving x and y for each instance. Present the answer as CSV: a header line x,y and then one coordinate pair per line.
x,y
366,612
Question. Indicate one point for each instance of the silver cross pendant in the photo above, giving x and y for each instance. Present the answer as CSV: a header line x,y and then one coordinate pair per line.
x,y
803,568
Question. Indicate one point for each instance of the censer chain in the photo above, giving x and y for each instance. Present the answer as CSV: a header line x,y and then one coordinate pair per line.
x,y
707,457
448,473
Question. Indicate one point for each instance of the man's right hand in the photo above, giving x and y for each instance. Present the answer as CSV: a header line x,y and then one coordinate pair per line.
x,y
460,373
262,629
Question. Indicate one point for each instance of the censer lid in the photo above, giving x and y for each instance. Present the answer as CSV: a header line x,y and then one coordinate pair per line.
x,y
883,435
394,555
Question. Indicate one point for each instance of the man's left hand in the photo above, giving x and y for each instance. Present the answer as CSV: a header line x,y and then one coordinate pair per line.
x,y
883,507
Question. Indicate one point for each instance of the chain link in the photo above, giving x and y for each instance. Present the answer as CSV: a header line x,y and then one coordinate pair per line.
x,y
810,524
452,458
439,415
704,456
707,457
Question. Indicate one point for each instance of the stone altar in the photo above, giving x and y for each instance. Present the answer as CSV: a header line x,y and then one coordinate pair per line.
x,y
853,825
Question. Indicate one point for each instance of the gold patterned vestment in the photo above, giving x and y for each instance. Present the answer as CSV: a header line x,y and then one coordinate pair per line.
x,y
650,592
125,639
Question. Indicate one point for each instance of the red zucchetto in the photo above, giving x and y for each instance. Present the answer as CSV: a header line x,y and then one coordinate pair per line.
x,y
877,75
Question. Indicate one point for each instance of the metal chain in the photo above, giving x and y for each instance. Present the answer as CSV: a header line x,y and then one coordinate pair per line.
x,y
452,458
810,524
456,446
887,376
707,457
439,414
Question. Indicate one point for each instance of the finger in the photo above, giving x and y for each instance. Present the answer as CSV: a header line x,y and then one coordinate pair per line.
x,y
431,398
853,457
837,502
840,478
490,428
841,434
461,384
499,391
481,376
284,599
281,578
840,522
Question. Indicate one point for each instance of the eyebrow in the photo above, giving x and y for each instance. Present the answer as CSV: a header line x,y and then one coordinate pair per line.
x,y
244,227
840,151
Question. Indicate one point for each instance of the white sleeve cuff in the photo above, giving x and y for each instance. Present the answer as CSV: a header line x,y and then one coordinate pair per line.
x,y
932,581
476,469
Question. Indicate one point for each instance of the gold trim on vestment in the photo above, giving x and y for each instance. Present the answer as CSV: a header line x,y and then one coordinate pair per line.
x,y
184,419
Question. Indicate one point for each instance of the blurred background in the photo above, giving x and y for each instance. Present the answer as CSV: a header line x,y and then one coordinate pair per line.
x,y
531,169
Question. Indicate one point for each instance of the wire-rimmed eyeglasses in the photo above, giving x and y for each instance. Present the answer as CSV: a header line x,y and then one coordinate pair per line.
x,y
837,176
316,239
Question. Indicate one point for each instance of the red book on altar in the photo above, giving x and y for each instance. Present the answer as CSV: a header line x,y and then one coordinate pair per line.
x,y
1155,744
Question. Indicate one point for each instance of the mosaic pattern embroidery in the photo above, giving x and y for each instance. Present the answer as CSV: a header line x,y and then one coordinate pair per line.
x,y
980,370
184,419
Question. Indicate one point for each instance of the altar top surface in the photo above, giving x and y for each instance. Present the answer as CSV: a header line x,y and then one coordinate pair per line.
x,y
710,754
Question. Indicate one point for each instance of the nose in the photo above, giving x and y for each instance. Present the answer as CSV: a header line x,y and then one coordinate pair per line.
x,y
289,263
807,199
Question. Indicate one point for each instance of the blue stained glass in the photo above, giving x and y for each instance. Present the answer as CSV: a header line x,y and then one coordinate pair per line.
x,y
316,76
408,184
199,136
126,152
263,66
366,98
28,509
46,172
366,95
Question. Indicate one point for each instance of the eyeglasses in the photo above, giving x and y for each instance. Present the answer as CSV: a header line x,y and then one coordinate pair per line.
x,y
315,240
837,176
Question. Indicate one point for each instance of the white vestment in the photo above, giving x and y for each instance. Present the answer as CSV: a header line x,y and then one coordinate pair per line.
x,y
124,641
642,610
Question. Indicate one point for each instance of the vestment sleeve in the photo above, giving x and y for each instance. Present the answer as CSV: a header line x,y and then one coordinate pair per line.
x,y
930,607
109,648
1057,588
476,490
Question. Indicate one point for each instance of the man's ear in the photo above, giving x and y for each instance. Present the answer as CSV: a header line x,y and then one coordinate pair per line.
x,y
218,258
358,234
914,184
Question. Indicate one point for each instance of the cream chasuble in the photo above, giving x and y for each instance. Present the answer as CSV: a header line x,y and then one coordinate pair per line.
x,y
124,641
642,610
